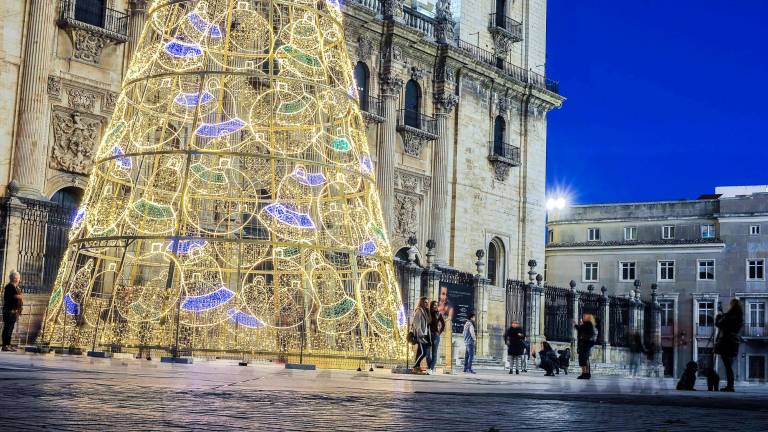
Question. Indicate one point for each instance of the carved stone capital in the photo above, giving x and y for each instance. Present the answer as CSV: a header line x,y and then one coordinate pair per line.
x,y
136,7
390,85
417,73
445,102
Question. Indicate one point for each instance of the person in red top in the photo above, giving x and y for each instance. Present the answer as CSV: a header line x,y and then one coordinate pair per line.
x,y
12,305
436,328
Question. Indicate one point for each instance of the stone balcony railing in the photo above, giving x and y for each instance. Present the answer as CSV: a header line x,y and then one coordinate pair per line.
x,y
375,6
420,22
758,331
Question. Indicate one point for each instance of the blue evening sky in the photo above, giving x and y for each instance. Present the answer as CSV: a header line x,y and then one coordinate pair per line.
x,y
666,99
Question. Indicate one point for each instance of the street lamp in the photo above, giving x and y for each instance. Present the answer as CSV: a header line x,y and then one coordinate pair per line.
x,y
556,203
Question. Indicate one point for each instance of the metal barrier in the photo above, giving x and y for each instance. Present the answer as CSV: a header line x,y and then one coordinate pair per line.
x,y
558,314
619,321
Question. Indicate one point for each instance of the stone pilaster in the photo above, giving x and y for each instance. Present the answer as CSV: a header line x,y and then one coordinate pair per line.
x,y
656,338
13,235
385,152
574,313
34,111
137,11
441,169
605,323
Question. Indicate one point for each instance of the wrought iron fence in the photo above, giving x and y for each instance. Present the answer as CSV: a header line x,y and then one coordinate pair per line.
x,y
417,120
649,324
514,28
27,324
517,302
43,237
619,321
371,105
529,77
95,13
507,151
591,303
4,212
558,313
477,53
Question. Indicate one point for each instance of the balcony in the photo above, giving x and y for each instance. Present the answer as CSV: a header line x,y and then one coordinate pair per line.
x,y
92,15
503,156
372,108
505,32
530,77
477,53
416,129
374,6
91,27
755,331
417,20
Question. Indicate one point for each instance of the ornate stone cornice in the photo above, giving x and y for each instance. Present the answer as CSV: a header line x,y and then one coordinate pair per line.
x,y
390,85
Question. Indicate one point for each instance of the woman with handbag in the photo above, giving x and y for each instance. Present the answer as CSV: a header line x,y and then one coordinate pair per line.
x,y
436,328
586,331
727,343
421,334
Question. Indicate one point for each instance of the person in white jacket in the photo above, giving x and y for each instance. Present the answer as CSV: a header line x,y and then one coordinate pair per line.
x,y
469,342
420,328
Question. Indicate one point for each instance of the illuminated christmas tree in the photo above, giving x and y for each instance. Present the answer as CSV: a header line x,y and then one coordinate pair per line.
x,y
232,204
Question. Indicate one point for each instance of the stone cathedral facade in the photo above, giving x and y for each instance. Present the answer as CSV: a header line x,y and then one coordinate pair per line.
x,y
454,95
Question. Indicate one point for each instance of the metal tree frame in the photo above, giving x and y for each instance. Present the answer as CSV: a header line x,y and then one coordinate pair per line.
x,y
232,204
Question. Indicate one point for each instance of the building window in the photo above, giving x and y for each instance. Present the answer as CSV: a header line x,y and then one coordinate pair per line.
x,y
756,269
413,104
91,12
630,233
706,269
550,236
754,230
593,234
666,271
627,271
757,314
668,232
708,231
492,260
706,313
499,131
667,313
361,80
590,272
756,367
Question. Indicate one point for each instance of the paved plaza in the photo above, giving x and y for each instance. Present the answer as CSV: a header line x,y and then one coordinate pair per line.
x,y
78,393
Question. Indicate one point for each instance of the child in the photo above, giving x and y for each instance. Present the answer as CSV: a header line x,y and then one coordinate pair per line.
x,y
564,359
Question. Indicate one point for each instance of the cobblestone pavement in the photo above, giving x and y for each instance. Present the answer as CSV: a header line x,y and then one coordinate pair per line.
x,y
77,393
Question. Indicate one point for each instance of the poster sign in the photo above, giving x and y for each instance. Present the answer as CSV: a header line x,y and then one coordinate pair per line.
x,y
456,302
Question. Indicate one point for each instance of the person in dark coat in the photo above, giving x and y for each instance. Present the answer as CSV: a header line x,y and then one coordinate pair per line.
x,y
547,358
636,350
586,331
564,358
727,344
12,305
436,328
514,337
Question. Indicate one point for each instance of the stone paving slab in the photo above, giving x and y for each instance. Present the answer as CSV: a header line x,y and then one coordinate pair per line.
x,y
78,393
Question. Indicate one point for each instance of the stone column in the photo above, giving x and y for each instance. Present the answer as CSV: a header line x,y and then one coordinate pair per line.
x,y
137,10
13,235
574,314
656,337
34,111
385,151
441,169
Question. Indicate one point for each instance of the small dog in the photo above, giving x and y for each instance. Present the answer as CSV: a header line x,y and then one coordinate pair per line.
x,y
688,379
713,380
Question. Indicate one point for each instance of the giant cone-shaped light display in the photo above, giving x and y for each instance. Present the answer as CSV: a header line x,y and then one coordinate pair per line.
x,y
232,204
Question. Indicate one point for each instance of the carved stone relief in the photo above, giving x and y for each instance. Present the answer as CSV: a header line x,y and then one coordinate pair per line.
x,y
413,143
364,48
406,215
54,87
109,101
74,140
88,45
81,99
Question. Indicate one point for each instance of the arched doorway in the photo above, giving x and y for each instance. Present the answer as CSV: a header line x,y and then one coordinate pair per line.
x,y
362,77
412,104
499,129
61,212
495,262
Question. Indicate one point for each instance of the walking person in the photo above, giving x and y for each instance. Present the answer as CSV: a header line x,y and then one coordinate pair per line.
x,y
586,331
727,344
469,341
514,338
526,354
636,351
12,306
420,328
436,328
